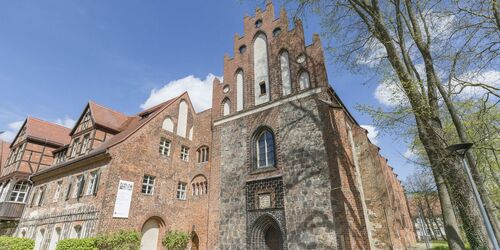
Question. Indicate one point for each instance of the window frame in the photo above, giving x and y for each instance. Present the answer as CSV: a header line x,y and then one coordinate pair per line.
x,y
58,191
91,187
255,156
181,193
19,192
184,154
148,184
163,147
203,154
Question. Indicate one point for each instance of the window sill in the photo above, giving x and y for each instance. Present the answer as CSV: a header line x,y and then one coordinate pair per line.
x,y
263,170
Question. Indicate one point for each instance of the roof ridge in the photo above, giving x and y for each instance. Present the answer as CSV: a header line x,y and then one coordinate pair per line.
x,y
47,122
110,109
157,106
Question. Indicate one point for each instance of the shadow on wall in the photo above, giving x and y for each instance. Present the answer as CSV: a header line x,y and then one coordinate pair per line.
x,y
347,207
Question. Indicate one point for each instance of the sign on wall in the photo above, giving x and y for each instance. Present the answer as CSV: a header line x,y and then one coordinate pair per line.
x,y
123,199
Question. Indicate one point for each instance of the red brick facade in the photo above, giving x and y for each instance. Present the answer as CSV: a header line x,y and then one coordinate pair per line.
x,y
322,185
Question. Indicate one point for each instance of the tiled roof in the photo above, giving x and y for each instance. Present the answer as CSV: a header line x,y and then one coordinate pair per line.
x,y
134,123
44,130
107,117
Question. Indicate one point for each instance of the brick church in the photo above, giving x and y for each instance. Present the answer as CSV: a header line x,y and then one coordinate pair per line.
x,y
278,162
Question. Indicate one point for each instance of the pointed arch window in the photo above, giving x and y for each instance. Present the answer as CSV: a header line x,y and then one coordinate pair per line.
x,y
239,90
286,80
260,69
226,107
168,124
304,80
265,149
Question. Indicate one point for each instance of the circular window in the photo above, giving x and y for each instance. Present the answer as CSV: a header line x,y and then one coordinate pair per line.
x,y
276,32
242,49
258,23
226,89
301,58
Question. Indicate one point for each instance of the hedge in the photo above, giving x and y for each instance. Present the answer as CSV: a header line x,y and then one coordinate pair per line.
x,y
176,240
12,243
121,240
77,244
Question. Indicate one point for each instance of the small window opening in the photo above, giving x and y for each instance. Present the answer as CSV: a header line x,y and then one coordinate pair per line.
x,y
276,32
262,86
242,49
258,23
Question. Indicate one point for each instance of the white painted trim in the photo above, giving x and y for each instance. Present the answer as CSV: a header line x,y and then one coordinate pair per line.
x,y
271,105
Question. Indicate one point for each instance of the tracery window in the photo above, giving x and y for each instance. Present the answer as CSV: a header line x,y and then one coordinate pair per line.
x,y
203,154
265,149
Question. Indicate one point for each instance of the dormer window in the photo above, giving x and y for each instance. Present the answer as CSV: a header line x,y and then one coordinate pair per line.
x,y
86,120
74,149
262,86
85,144
258,23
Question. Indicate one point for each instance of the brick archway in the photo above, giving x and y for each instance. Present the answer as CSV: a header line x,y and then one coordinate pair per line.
x,y
266,234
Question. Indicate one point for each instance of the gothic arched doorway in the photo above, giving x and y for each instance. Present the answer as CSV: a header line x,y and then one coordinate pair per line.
x,y
150,234
266,234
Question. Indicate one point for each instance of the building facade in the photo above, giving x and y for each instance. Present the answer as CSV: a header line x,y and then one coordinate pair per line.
x,y
278,162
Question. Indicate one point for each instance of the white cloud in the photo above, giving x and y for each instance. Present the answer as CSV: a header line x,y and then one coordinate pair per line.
x,y
372,133
390,94
66,122
200,92
490,77
373,53
410,154
9,134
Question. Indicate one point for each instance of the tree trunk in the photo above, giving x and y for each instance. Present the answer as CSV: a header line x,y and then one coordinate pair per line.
x,y
451,167
476,175
449,219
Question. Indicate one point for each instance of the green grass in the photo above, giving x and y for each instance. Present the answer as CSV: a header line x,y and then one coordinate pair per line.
x,y
442,245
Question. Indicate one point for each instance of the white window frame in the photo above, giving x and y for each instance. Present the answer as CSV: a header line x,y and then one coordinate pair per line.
x,y
74,149
79,179
92,183
148,182
85,143
184,153
16,193
58,191
265,150
181,190
165,146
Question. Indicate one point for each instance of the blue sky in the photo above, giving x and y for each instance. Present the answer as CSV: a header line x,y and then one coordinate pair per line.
x,y
57,55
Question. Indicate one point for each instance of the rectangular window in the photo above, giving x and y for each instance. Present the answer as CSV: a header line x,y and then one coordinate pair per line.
x,y
41,196
74,149
181,191
20,152
262,86
184,153
164,147
19,192
92,187
68,191
80,182
148,183
85,144
58,191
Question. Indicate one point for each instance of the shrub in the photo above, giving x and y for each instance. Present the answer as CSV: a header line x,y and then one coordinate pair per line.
x,y
77,244
13,243
121,240
176,240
